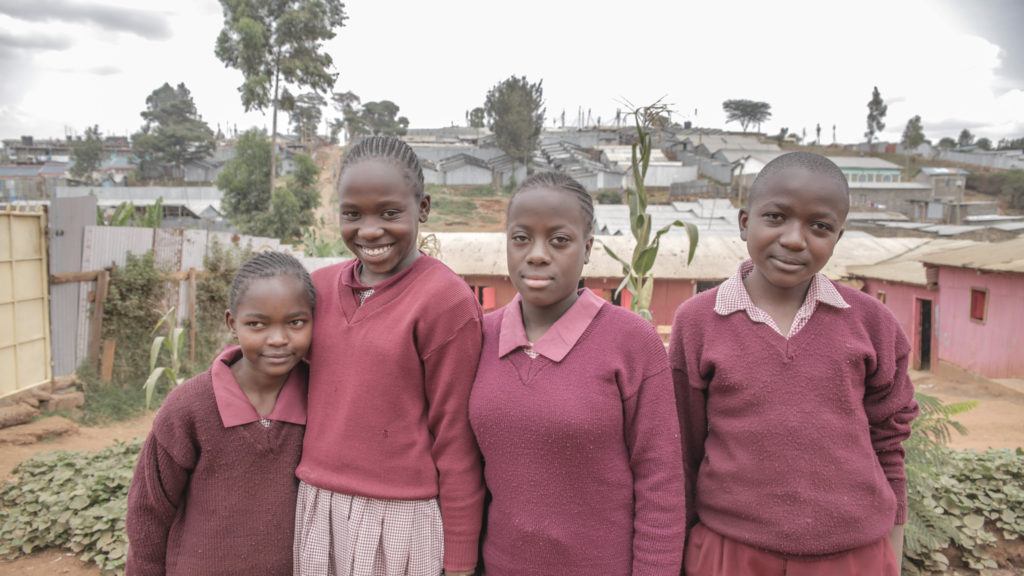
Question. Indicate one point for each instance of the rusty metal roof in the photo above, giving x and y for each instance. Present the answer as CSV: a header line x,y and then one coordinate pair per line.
x,y
991,257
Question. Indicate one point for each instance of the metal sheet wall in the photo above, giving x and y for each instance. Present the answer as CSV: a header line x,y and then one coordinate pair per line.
x,y
68,219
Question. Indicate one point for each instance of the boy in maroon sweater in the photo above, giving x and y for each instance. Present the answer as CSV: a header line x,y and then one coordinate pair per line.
x,y
794,398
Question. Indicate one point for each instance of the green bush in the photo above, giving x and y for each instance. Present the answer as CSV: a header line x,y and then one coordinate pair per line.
x,y
134,304
71,500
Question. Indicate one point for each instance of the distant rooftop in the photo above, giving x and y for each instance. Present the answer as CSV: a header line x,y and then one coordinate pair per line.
x,y
863,162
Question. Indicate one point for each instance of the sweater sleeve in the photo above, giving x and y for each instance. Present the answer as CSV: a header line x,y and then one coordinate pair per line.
x,y
449,370
691,410
890,407
652,438
154,497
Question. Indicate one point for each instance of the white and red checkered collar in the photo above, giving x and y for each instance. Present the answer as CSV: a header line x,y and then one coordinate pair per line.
x,y
733,297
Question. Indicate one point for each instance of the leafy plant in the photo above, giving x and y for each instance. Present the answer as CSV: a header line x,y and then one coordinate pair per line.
x,y
134,304
638,277
75,501
172,343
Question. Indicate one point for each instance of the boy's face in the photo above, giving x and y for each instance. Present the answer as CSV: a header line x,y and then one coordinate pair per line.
x,y
792,225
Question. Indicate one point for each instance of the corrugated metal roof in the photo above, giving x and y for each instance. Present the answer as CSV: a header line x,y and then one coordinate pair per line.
x,y
889,186
863,162
906,267
991,257
941,171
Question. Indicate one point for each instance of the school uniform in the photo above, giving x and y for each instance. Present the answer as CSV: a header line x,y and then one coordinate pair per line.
x,y
793,447
390,472
214,487
581,445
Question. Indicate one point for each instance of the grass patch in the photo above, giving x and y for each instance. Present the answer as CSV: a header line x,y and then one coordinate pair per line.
x,y
107,402
453,206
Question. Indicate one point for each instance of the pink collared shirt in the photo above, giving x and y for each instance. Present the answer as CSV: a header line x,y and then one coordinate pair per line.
x,y
560,337
234,406
733,297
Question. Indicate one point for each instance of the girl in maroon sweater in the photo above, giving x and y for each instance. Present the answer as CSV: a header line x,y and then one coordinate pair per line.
x,y
214,488
794,397
573,410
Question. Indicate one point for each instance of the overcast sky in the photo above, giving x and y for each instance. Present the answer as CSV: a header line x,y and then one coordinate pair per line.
x,y
68,64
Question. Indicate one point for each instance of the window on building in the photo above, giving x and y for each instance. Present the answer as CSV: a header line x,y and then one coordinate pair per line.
x,y
703,285
979,304
881,296
486,296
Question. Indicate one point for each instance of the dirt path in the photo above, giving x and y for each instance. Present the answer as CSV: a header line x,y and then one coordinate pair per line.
x,y
48,563
996,422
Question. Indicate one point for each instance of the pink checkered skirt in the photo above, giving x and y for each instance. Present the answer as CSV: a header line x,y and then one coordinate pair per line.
x,y
342,535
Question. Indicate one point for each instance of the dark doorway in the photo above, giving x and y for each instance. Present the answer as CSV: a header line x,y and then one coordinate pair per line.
x,y
925,323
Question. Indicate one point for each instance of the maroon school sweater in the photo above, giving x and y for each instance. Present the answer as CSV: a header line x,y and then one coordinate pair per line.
x,y
388,394
581,455
794,446
210,499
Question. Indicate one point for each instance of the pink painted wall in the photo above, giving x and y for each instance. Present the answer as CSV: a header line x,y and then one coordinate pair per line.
x,y
904,301
668,294
995,347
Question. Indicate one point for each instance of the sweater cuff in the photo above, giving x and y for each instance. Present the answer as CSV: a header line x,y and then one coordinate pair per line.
x,y
460,556
901,513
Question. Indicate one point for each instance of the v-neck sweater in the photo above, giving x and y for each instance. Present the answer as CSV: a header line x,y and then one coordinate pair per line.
x,y
794,445
389,392
582,456
210,499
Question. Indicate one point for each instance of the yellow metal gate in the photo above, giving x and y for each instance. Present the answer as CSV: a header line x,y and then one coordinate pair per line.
x,y
24,310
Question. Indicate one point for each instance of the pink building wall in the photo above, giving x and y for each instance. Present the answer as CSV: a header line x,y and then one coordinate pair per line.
x,y
993,348
905,302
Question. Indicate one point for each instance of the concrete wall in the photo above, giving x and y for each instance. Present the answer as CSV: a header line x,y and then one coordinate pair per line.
x,y
904,300
890,199
468,175
663,175
991,348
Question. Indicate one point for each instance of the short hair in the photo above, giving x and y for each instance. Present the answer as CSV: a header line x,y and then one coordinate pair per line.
x,y
269,265
387,149
814,163
562,182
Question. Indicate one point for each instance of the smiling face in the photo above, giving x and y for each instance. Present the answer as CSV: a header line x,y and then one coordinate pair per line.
x,y
273,321
380,217
549,241
792,225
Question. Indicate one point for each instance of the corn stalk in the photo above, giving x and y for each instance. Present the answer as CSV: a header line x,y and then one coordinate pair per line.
x,y
173,343
638,278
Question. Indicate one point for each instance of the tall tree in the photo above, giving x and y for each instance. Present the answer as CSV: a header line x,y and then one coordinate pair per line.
x,y
515,113
947,143
348,104
306,115
275,43
983,144
174,132
248,200
965,138
876,115
381,118
913,134
87,154
817,134
476,117
746,112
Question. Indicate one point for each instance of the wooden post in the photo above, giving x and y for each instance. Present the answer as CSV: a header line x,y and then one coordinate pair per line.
x,y
107,361
96,322
192,315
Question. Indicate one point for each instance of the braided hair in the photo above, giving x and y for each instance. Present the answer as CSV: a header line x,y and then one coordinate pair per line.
x,y
387,149
561,182
269,265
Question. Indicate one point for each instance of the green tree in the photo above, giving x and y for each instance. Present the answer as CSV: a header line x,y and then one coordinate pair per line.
x,y
876,115
477,117
174,132
306,115
947,143
747,112
382,119
349,105
276,43
515,113
913,134
1011,144
248,201
87,154
984,144
965,138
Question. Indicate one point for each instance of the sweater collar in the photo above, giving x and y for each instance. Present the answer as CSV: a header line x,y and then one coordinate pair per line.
x,y
556,343
234,406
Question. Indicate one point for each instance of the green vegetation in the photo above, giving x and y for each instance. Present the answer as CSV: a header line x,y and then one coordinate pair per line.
x,y
1008,186
515,113
174,133
170,346
75,501
877,109
87,154
747,112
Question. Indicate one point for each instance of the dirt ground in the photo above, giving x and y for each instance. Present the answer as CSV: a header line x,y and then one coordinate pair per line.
x,y
997,422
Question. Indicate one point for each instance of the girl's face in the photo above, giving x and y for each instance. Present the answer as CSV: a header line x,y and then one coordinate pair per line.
x,y
548,244
273,321
380,218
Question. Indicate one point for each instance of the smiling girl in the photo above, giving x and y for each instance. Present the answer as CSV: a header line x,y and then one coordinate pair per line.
x,y
391,482
574,410
214,488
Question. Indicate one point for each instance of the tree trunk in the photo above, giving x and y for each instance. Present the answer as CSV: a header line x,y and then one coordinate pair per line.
x,y
273,131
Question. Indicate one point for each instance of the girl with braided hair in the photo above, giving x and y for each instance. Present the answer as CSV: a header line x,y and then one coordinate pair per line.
x,y
391,481
214,487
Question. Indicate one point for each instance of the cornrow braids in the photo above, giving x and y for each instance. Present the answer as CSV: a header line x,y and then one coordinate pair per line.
x,y
269,265
388,149
565,183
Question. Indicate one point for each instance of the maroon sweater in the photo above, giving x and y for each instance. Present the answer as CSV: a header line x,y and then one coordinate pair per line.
x,y
794,446
388,394
581,455
206,499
